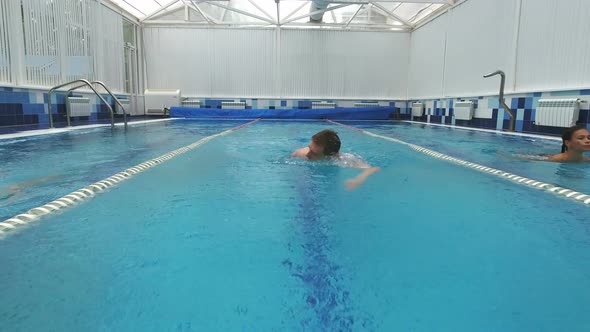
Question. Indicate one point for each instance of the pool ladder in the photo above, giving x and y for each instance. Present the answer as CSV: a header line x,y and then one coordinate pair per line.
x,y
88,84
501,97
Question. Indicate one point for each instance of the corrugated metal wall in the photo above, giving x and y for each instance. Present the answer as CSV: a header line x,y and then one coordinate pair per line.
x,y
4,51
264,63
46,43
554,48
343,64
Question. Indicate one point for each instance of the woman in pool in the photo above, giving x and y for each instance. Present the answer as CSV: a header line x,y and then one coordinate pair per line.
x,y
576,141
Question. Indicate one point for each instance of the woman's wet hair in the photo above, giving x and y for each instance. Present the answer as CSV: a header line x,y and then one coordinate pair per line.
x,y
567,135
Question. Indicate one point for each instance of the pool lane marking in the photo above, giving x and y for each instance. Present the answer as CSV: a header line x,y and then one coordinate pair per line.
x,y
86,193
560,191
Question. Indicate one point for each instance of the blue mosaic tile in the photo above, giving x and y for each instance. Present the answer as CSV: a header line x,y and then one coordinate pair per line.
x,y
31,119
527,126
527,115
528,103
462,123
33,109
520,114
518,125
513,103
585,92
7,120
283,103
43,119
583,118
7,97
11,109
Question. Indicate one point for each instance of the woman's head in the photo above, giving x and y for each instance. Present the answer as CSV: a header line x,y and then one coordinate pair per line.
x,y
576,138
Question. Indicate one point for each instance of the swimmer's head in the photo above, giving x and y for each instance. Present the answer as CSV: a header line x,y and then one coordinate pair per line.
x,y
576,138
326,143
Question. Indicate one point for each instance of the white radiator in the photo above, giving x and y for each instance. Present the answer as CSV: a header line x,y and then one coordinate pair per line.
x,y
126,105
417,109
158,100
463,110
78,106
557,112
366,105
237,105
322,105
191,102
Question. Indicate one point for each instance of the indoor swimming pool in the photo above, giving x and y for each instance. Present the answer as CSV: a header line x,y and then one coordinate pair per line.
x,y
234,235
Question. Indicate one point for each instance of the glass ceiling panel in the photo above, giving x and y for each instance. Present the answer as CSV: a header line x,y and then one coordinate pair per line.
x,y
264,12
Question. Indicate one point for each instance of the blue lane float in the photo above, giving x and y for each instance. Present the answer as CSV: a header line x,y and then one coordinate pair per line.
x,y
340,113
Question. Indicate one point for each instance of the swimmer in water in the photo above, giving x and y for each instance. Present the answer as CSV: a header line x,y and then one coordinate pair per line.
x,y
17,190
326,145
576,141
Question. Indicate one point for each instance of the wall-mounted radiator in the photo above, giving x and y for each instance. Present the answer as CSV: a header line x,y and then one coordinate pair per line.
x,y
126,104
417,109
463,110
557,112
239,105
191,102
322,105
158,100
366,105
78,106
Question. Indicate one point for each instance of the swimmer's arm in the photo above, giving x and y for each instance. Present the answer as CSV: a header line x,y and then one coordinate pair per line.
x,y
299,153
556,157
561,157
362,177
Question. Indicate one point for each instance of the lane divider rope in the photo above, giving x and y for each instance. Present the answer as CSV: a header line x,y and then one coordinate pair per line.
x,y
564,192
86,193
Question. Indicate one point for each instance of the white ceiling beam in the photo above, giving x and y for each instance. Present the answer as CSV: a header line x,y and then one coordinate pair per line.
x,y
132,6
321,11
448,2
253,2
208,18
296,10
164,8
353,16
392,15
239,11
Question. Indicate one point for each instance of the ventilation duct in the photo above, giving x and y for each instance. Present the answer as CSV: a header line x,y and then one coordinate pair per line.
x,y
315,6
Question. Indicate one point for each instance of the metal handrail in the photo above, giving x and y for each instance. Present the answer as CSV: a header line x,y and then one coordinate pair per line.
x,y
86,82
501,97
110,93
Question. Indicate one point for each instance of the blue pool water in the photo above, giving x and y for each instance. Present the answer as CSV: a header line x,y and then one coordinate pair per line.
x,y
236,236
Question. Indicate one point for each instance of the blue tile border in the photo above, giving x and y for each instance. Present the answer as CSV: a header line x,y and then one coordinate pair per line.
x,y
19,106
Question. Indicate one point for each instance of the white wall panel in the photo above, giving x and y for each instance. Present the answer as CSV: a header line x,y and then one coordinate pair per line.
x,y
250,63
427,59
110,55
343,64
212,62
554,47
170,67
4,42
479,41
242,62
